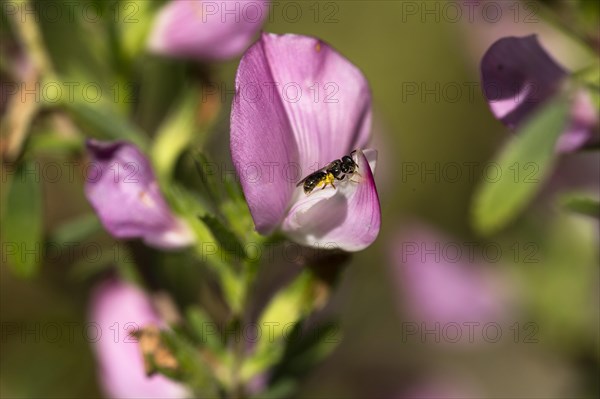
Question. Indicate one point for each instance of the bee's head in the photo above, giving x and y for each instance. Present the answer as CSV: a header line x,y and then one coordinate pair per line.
x,y
348,164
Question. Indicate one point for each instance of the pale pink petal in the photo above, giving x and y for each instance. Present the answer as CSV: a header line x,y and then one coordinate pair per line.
x,y
348,217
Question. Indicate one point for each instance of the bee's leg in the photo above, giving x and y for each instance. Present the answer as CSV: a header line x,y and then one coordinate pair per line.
x,y
332,185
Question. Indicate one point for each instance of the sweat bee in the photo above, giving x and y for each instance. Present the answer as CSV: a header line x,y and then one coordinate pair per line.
x,y
336,170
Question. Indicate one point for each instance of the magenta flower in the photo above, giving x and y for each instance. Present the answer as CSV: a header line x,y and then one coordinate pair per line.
x,y
207,30
298,106
116,310
518,76
443,281
123,191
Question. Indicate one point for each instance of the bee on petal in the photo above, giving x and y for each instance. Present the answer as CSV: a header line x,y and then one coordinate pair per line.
x,y
338,169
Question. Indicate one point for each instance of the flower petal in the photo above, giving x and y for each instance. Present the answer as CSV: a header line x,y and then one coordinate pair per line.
x,y
327,99
123,190
348,217
116,310
582,128
517,75
206,30
263,148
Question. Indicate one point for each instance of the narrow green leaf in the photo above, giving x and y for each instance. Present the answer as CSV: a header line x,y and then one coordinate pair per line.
x,y
304,350
225,237
76,229
204,329
207,178
22,222
523,165
581,204
175,134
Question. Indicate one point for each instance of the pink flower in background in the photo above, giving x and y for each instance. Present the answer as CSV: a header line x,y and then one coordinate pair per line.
x,y
298,106
442,281
122,188
518,76
207,30
117,309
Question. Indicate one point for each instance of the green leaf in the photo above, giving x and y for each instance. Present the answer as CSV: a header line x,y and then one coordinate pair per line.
x,y
77,229
523,165
175,134
22,222
228,241
204,328
209,184
581,204
304,350
193,371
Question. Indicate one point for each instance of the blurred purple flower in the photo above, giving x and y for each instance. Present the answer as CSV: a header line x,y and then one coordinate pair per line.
x,y
518,75
278,136
123,191
443,282
206,30
116,310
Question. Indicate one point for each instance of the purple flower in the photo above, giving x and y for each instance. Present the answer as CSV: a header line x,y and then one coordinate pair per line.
x,y
298,106
123,191
207,30
443,281
116,310
518,76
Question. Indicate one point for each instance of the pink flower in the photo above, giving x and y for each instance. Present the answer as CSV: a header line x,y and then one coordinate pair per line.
x,y
298,106
518,76
116,310
123,191
207,30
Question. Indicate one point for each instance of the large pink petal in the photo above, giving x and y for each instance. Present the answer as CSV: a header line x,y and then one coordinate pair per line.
x,y
117,309
327,99
263,148
348,217
207,30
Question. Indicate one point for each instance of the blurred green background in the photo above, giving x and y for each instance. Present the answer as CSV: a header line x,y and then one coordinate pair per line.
x,y
560,293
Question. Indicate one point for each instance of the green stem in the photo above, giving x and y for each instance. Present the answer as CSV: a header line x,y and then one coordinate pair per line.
x,y
29,33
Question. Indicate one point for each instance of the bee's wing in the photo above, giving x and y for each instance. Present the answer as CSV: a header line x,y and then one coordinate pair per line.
x,y
352,156
302,181
312,173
